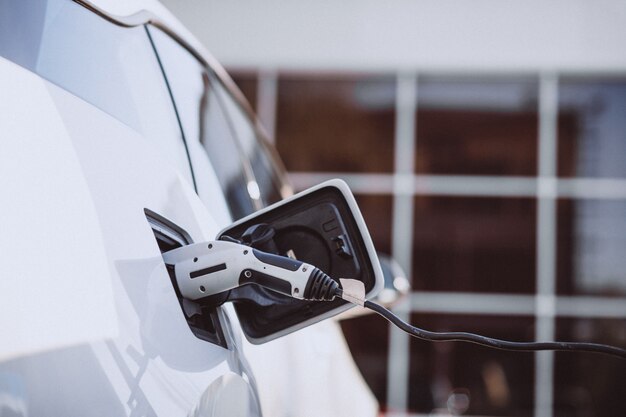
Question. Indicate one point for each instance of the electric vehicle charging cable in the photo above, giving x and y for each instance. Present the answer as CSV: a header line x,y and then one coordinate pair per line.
x,y
205,269
358,297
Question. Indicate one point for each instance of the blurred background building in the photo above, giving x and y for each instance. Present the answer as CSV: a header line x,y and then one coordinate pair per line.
x,y
485,142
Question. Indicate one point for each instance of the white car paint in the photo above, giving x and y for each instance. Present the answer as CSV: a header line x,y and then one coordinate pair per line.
x,y
93,270
53,225
90,322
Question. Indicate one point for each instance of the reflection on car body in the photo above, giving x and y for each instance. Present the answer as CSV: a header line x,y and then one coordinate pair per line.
x,y
113,126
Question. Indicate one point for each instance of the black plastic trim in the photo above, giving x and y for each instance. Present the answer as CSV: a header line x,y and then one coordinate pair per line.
x,y
169,90
207,324
266,281
277,260
207,271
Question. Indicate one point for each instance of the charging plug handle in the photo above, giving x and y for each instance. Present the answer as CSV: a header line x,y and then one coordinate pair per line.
x,y
209,268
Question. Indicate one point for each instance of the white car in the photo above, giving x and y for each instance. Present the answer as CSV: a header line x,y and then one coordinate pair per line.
x,y
122,138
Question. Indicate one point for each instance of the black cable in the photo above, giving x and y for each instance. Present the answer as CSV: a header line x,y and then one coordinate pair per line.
x,y
230,239
490,342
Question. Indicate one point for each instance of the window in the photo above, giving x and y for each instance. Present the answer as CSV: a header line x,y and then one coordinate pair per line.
x,y
463,378
591,236
248,83
477,126
592,127
475,244
254,149
336,123
211,120
585,385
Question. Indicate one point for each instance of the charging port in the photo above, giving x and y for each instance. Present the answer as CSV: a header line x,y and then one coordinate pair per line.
x,y
202,318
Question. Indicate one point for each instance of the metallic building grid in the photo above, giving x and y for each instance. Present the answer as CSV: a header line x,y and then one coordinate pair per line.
x,y
403,184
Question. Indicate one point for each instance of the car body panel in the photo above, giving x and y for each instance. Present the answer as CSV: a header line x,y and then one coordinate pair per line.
x,y
49,226
103,274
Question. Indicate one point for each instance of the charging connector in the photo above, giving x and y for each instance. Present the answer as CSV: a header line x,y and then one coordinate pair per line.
x,y
209,268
